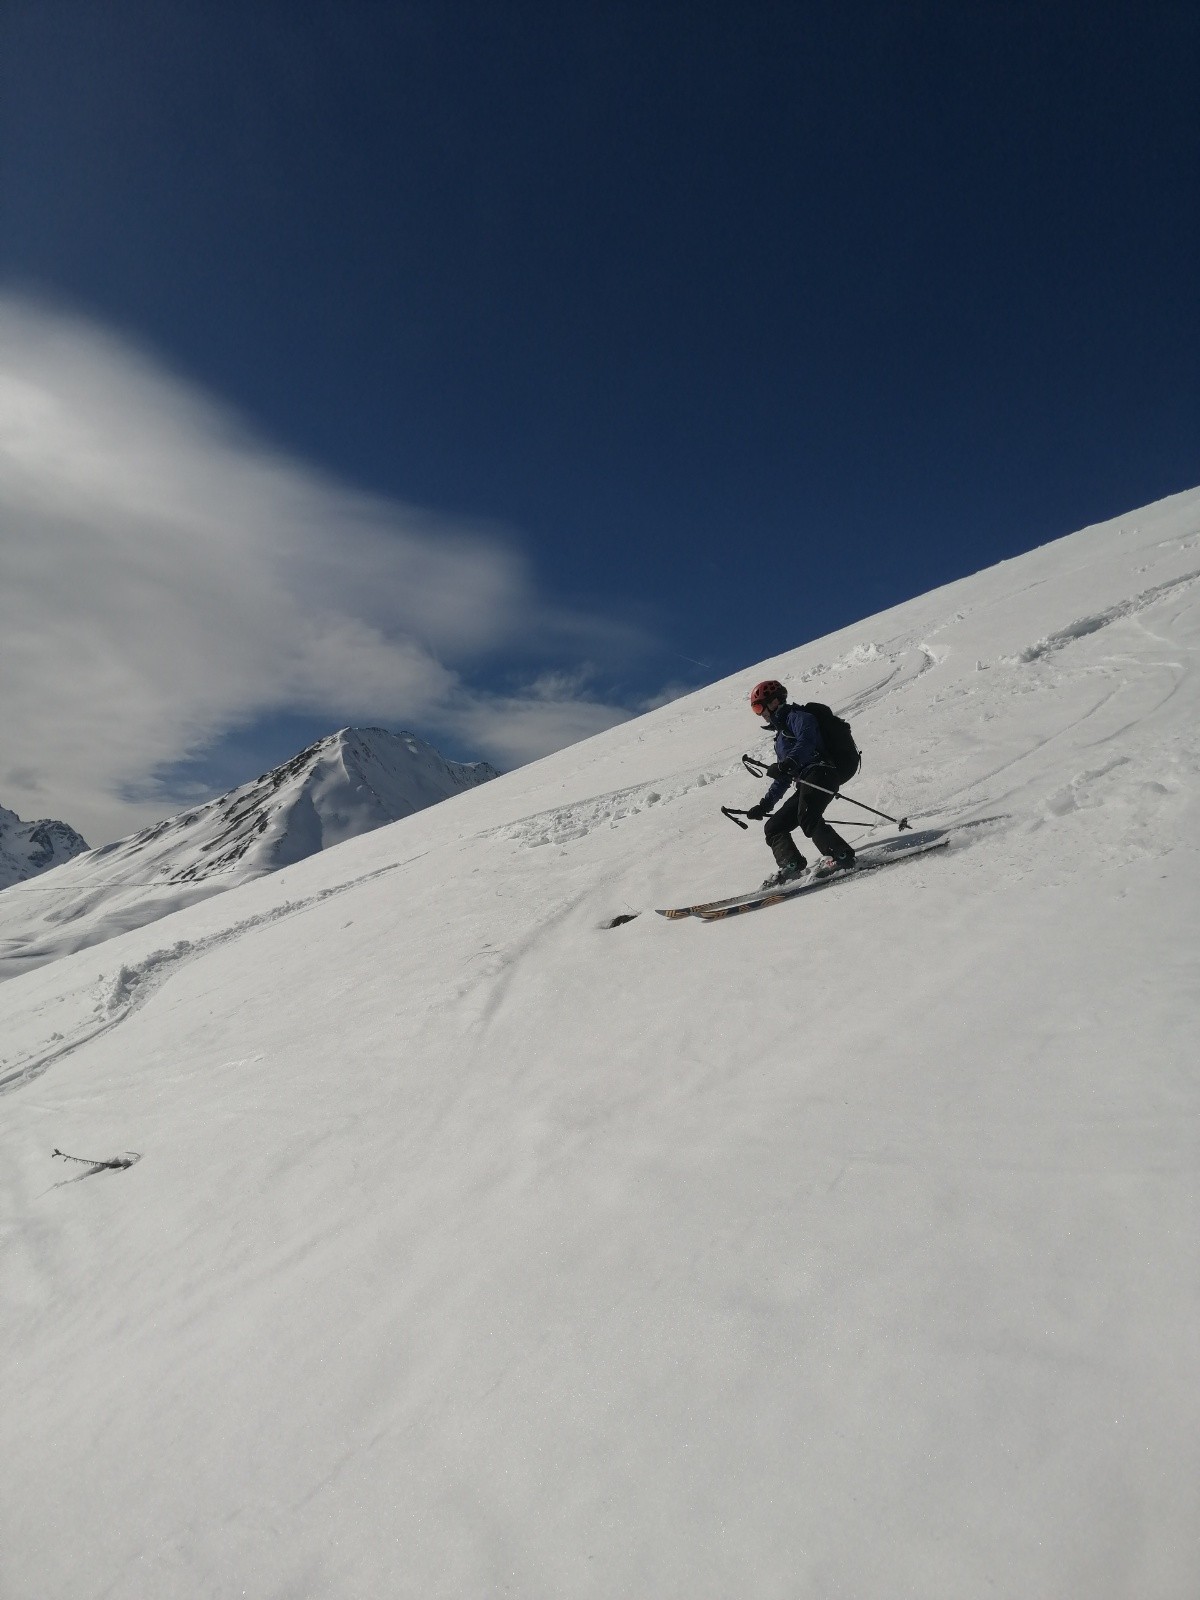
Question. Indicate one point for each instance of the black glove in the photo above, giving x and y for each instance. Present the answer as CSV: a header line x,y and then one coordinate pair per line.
x,y
758,812
782,769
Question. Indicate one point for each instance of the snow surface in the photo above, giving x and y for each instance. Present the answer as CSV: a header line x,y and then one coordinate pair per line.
x,y
851,1247
28,849
348,783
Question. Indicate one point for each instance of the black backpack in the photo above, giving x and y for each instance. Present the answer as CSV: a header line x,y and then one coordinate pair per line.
x,y
837,739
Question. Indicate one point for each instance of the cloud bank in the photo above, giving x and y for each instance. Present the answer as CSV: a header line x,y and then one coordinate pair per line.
x,y
165,577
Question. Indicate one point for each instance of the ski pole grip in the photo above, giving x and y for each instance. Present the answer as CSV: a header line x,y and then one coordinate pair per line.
x,y
734,816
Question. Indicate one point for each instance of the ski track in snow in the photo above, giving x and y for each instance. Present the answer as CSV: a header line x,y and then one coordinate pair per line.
x,y
137,981
564,824
1102,619
483,994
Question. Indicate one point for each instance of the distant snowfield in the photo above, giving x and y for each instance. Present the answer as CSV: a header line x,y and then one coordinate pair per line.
x,y
343,785
851,1247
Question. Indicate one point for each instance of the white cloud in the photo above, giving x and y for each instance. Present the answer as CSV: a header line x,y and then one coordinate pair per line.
x,y
555,710
167,577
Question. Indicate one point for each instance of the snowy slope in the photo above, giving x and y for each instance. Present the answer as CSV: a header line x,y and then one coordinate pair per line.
x,y
28,849
851,1247
349,783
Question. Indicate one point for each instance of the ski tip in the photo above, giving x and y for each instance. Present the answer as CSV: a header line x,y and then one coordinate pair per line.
x,y
625,916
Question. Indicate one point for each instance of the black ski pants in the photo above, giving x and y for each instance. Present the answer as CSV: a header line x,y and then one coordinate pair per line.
x,y
805,808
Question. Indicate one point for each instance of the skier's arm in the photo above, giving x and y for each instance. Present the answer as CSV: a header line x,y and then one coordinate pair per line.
x,y
775,794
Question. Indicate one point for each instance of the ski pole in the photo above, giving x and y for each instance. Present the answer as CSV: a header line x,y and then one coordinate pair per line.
x,y
841,822
86,1161
751,763
901,822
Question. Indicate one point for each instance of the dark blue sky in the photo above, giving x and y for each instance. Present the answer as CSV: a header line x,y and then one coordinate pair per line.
x,y
744,320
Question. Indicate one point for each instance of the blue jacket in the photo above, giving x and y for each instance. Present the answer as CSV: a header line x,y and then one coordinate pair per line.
x,y
797,741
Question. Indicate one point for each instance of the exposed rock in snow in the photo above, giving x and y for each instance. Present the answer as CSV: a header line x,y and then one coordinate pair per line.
x,y
27,849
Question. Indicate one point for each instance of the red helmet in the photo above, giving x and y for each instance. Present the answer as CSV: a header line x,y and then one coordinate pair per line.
x,y
764,693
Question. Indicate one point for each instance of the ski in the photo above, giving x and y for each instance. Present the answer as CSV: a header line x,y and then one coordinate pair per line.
x,y
821,870
773,897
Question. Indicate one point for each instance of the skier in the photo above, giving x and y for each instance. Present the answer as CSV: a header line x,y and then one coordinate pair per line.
x,y
800,754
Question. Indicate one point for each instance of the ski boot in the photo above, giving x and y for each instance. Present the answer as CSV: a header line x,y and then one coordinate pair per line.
x,y
842,862
788,859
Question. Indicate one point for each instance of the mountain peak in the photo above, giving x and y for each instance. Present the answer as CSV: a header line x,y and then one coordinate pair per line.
x,y
345,784
27,849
